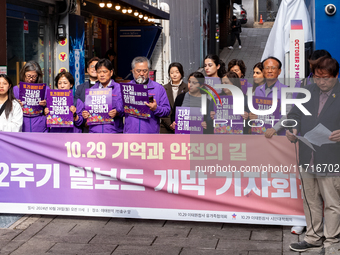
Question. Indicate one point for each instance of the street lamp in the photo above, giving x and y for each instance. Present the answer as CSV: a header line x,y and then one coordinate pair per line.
x,y
109,4
136,13
101,4
117,7
124,10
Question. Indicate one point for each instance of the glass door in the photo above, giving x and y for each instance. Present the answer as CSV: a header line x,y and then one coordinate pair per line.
x,y
27,34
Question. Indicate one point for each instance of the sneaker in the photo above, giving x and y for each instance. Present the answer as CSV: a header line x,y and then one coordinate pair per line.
x,y
297,230
303,246
230,47
240,47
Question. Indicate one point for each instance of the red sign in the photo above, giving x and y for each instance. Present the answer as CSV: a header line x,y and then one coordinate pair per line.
x,y
26,26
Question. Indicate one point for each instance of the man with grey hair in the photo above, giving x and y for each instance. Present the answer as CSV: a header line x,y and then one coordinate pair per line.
x,y
160,106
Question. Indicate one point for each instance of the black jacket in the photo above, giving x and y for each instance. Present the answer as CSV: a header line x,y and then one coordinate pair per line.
x,y
327,154
182,89
237,28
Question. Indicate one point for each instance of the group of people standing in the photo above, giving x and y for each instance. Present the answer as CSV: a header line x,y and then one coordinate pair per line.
x,y
322,194
100,76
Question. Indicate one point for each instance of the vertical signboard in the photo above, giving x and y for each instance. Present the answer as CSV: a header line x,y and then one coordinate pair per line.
x,y
77,48
297,52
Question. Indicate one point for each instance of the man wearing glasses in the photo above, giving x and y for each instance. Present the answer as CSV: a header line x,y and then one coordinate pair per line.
x,y
271,72
159,107
91,70
320,169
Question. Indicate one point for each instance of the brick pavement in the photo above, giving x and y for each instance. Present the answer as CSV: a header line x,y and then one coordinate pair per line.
x,y
87,235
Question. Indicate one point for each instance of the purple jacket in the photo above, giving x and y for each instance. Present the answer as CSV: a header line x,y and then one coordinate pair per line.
x,y
308,79
77,124
260,90
245,84
117,103
150,126
32,124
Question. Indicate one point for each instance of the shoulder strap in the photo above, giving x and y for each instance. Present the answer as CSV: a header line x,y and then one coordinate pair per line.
x,y
3,107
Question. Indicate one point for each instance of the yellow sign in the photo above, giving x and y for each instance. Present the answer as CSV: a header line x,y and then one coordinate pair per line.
x,y
62,69
63,42
62,56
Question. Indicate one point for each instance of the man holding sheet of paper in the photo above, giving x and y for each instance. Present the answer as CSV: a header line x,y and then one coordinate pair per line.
x,y
320,169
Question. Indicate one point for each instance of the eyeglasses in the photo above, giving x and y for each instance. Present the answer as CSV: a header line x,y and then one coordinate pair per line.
x,y
141,70
102,71
273,68
317,78
31,77
92,66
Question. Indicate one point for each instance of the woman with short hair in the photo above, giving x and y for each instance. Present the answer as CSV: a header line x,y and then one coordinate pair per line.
x,y
238,66
31,73
175,87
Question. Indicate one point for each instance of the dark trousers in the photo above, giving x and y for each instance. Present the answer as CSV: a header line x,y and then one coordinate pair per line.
x,y
234,37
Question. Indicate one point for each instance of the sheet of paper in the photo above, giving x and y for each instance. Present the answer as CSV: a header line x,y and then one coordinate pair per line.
x,y
305,141
319,135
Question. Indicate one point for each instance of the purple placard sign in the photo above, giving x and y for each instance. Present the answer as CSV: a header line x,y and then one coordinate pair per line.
x,y
58,103
30,95
263,103
224,117
98,102
212,81
134,96
188,120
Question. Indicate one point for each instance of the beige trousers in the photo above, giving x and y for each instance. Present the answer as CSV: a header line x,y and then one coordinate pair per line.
x,y
322,196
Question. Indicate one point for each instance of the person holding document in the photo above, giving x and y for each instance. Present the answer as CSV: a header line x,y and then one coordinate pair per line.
x,y
320,169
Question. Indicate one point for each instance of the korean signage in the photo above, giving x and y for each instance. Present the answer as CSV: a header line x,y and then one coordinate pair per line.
x,y
30,95
297,51
179,177
98,102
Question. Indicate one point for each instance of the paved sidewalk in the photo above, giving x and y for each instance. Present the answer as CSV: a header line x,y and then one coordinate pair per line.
x,y
86,235
253,43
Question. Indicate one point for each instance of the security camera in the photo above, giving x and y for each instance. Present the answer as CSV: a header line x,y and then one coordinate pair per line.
x,y
330,9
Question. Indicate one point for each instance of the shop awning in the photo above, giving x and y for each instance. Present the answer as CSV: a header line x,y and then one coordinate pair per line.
x,y
146,9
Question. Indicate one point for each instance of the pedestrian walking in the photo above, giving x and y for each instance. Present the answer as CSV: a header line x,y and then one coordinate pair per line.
x,y
235,32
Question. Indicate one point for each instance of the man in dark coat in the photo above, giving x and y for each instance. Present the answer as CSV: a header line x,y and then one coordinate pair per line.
x,y
320,168
235,32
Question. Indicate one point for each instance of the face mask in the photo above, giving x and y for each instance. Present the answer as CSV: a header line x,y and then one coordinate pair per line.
x,y
140,80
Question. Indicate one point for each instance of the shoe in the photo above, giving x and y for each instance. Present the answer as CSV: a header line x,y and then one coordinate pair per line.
x,y
240,47
230,47
297,230
303,246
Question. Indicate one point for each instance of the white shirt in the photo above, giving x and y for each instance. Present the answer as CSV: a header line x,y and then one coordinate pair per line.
x,y
14,121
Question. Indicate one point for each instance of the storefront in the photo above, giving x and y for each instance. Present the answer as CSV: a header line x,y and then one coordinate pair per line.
x,y
29,37
32,29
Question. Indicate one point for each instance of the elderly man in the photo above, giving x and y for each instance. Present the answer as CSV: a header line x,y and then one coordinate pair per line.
x,y
160,106
320,183
271,71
